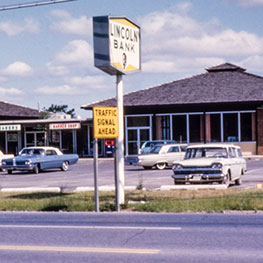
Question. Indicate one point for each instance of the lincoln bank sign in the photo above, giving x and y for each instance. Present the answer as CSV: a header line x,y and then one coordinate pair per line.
x,y
116,45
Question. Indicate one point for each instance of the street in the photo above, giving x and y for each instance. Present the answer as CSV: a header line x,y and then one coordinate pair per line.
x,y
130,237
81,176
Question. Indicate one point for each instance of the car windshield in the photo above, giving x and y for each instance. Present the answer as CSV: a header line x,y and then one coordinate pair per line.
x,y
28,151
156,149
205,152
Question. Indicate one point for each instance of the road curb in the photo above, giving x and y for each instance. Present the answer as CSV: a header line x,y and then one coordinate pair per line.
x,y
103,188
192,187
32,189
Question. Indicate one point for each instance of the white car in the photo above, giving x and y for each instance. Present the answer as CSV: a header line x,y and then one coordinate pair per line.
x,y
160,156
208,163
3,156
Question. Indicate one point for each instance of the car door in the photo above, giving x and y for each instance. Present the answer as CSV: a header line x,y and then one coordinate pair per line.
x,y
235,166
174,154
52,160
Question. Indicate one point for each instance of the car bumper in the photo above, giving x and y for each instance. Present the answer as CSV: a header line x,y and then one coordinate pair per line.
x,y
198,178
131,161
18,168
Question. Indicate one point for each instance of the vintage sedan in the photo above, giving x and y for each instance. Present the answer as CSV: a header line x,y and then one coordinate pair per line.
x,y
208,163
3,156
160,156
39,158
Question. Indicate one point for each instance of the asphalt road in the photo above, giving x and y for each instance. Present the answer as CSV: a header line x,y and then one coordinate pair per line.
x,y
134,237
82,175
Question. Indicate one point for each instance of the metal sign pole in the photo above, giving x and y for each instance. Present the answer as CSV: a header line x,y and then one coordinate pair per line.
x,y
120,142
117,202
96,189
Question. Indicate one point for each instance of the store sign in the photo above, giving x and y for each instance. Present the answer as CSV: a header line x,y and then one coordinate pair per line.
x,y
117,47
15,127
105,122
64,126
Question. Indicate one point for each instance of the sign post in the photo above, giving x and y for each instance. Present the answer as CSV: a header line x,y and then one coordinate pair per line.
x,y
96,187
106,126
117,51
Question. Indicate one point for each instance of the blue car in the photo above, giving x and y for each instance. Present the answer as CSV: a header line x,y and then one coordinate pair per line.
x,y
39,158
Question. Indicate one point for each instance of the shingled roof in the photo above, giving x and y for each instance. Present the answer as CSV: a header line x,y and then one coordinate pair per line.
x,y
224,83
12,110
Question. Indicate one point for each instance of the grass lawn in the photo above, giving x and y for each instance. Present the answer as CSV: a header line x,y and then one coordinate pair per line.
x,y
144,201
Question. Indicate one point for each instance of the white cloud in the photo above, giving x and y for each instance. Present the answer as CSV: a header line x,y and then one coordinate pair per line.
x,y
57,70
67,24
11,29
253,63
56,90
172,42
184,6
19,69
91,82
8,93
77,52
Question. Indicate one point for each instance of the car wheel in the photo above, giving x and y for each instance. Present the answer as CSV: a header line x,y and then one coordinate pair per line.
x,y
160,166
9,171
226,180
239,180
36,169
147,167
65,166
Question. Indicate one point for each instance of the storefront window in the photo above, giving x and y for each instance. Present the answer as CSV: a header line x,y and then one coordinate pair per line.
x,y
195,128
54,139
246,126
165,127
139,121
215,125
179,128
2,142
67,141
230,121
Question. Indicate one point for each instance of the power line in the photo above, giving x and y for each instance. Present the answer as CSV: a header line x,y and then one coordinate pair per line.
x,y
33,4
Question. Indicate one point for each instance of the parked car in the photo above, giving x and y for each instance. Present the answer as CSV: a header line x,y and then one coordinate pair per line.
x,y
160,156
148,145
39,158
3,156
208,163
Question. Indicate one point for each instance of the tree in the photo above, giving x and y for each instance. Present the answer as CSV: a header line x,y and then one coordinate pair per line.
x,y
60,108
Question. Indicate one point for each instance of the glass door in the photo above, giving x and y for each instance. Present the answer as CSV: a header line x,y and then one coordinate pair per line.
x,y
136,137
35,139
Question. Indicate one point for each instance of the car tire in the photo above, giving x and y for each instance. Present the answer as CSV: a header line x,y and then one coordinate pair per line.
x,y
160,166
65,166
239,180
36,169
226,180
9,171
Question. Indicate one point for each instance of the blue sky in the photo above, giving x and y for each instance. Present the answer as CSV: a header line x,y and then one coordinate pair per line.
x,y
47,52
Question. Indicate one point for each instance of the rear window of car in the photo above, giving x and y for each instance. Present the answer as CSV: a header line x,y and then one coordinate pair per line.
x,y
156,149
173,149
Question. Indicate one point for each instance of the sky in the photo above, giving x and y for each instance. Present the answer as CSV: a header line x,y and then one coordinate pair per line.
x,y
47,51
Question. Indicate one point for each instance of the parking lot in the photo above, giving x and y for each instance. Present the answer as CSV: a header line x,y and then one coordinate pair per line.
x,y
81,177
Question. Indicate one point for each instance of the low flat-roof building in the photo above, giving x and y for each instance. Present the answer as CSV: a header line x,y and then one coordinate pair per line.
x,y
224,104
22,127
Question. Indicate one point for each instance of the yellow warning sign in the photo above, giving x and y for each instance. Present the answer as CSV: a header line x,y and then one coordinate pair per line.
x,y
105,122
